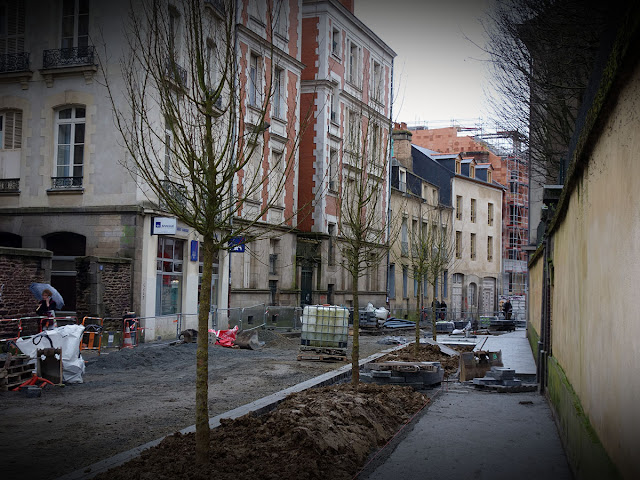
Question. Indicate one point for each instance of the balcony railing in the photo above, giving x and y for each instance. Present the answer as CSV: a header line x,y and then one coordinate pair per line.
x,y
175,73
14,62
69,57
175,191
9,185
66,182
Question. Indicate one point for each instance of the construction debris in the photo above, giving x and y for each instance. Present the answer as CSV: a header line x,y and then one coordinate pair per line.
x,y
414,374
476,364
14,371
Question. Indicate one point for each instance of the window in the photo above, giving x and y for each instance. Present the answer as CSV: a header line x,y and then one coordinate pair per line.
x,y
12,23
490,214
353,132
331,255
75,23
472,171
458,244
458,167
333,170
402,180
416,292
473,246
435,197
211,64
404,244
277,92
70,127
414,238
334,106
473,210
10,129
489,176
458,207
276,179
354,64
405,278
168,140
490,249
335,42
375,144
377,82
254,79
445,285
280,17
392,280
169,276
273,292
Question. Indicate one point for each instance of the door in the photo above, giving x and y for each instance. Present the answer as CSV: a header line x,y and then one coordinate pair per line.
x,y
456,296
306,283
488,296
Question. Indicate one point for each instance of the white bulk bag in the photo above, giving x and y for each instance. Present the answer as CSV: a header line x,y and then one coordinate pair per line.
x,y
68,339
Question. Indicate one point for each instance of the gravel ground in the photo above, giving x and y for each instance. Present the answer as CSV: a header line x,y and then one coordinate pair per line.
x,y
133,396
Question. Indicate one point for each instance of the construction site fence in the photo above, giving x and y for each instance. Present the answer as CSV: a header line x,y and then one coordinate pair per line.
x,y
276,317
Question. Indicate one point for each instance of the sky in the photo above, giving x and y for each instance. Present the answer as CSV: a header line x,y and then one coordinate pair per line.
x,y
438,73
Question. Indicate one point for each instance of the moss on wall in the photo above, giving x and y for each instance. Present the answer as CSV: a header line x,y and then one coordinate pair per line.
x,y
584,451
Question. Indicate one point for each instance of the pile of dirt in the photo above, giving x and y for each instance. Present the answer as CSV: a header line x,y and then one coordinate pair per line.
x,y
426,353
320,433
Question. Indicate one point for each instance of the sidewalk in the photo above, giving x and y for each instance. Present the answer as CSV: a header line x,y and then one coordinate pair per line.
x,y
474,434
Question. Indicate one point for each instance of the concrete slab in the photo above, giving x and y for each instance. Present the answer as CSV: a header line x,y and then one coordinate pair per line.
x,y
471,434
516,351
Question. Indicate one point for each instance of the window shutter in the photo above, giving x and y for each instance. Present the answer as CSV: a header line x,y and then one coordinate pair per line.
x,y
8,130
17,137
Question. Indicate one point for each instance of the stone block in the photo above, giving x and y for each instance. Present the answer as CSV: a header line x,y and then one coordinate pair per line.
x,y
381,373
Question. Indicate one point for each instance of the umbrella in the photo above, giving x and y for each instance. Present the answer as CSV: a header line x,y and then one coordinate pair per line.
x,y
38,288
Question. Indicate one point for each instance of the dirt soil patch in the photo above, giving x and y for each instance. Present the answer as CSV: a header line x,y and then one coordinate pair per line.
x,y
134,396
427,353
320,433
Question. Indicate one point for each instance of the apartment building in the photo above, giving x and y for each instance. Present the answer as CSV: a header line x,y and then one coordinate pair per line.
x,y
470,286
346,94
63,183
501,150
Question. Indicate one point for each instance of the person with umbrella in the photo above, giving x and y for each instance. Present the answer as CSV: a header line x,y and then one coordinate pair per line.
x,y
46,308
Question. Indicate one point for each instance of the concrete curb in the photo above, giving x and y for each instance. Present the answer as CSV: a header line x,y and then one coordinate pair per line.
x,y
260,406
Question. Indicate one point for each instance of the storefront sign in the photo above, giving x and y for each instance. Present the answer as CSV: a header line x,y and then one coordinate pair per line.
x,y
163,226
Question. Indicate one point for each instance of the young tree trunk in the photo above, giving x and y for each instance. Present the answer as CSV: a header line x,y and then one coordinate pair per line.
x,y
419,301
433,315
355,352
202,355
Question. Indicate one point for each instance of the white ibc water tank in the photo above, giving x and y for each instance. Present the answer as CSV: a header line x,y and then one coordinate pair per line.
x,y
325,326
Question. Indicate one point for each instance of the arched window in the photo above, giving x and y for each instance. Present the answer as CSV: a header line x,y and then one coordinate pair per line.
x,y
70,142
10,240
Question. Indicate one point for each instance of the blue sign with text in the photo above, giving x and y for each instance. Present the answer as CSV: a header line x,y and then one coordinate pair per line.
x,y
236,244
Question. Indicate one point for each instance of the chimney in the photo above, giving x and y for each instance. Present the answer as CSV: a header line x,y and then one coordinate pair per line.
x,y
402,147
348,4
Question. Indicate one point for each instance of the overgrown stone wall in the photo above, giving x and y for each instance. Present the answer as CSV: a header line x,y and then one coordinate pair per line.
x,y
19,267
103,286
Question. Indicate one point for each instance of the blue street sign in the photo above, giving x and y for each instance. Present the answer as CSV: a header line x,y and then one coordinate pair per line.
x,y
236,244
194,250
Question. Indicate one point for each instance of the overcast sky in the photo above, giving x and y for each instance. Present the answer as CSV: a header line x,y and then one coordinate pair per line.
x,y
437,74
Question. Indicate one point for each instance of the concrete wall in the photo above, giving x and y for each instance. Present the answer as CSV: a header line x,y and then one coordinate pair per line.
x,y
534,308
596,335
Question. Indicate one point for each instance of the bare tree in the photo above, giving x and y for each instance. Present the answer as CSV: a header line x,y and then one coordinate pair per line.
x,y
362,206
432,253
541,53
195,148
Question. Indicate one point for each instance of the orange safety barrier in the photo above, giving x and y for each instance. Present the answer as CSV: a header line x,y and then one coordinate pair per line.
x,y
130,332
62,321
92,335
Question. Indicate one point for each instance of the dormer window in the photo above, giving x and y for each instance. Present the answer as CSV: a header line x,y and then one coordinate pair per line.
x,y
458,167
472,171
402,180
489,176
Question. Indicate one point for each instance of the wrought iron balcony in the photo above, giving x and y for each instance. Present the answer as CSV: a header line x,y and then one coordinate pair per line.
x,y
175,191
14,62
9,185
68,57
175,73
66,182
